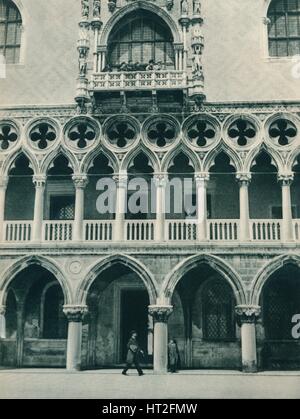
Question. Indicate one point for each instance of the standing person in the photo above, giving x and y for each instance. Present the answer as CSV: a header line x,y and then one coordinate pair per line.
x,y
174,359
133,354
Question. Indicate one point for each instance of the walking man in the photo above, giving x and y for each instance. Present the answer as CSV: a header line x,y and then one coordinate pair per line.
x,y
133,354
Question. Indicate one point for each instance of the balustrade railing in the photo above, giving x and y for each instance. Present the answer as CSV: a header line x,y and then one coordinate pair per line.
x,y
183,230
17,231
132,80
57,231
98,230
266,230
143,230
223,230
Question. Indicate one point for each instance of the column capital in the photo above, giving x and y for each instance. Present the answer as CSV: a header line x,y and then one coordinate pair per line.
x,y
75,313
4,181
285,179
244,178
121,180
201,178
2,310
160,180
160,313
39,181
248,313
80,181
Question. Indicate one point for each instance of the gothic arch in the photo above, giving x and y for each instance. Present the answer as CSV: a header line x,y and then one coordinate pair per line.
x,y
50,158
21,264
232,154
292,158
144,5
136,266
89,158
14,156
274,155
269,269
215,263
130,156
172,154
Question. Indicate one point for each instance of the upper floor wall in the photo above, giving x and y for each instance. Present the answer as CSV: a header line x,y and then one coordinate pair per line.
x,y
236,62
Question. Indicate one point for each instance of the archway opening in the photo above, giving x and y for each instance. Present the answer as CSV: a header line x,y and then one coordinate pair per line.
x,y
140,39
203,322
36,327
280,301
118,303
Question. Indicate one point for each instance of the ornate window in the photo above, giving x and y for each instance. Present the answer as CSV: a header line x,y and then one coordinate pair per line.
x,y
218,318
10,31
141,37
284,28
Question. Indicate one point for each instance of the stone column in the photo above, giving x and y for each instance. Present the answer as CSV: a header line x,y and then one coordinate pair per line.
x,y
160,183
3,188
201,185
247,316
40,183
75,316
244,180
285,181
2,322
80,182
121,205
160,350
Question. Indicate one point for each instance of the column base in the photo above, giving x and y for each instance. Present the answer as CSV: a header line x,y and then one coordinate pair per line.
x,y
250,367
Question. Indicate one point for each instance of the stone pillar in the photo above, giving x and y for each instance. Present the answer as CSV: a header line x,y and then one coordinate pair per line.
x,y
285,181
80,182
247,316
75,316
201,185
3,188
160,351
121,205
20,331
160,183
40,183
2,322
244,180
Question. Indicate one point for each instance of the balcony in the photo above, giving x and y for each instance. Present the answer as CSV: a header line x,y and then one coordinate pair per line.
x,y
139,80
218,231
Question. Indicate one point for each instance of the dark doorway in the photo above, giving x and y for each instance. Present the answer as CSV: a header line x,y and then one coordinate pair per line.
x,y
134,316
62,207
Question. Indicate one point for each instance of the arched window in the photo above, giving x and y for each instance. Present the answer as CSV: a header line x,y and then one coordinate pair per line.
x,y
10,31
281,301
141,37
54,320
284,28
218,314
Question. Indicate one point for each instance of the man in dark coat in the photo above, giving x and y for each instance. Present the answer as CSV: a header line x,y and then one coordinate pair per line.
x,y
133,354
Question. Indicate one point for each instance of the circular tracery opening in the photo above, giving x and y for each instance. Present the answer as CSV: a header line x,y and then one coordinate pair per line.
x,y
141,37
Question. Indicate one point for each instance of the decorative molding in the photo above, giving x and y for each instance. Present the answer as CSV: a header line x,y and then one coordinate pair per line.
x,y
159,313
247,313
75,314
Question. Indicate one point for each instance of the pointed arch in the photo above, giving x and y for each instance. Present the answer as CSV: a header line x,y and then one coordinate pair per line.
x,y
131,155
50,158
234,157
292,159
276,158
182,148
8,163
20,264
91,156
140,5
215,263
269,269
136,266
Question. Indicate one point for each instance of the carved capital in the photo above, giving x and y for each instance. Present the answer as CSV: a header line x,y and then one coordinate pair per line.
x,y
247,314
244,179
2,310
201,179
285,179
39,181
160,180
160,314
121,181
75,314
80,181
